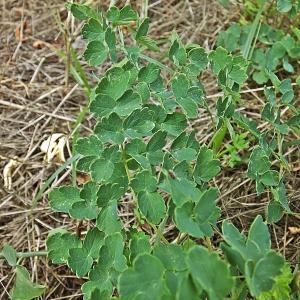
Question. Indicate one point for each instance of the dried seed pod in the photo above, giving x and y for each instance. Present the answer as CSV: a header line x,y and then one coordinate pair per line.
x,y
54,146
7,172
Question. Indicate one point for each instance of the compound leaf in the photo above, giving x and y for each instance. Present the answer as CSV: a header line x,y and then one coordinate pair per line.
x,y
151,270
95,53
62,198
210,272
24,288
206,166
152,206
80,261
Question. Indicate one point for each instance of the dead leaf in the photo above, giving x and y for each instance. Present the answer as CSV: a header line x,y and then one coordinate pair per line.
x,y
39,44
294,230
20,30
82,178
7,172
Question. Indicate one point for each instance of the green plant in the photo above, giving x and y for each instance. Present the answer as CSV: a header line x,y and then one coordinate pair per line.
x,y
144,157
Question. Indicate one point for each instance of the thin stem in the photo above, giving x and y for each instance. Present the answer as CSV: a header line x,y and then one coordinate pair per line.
x,y
28,254
156,62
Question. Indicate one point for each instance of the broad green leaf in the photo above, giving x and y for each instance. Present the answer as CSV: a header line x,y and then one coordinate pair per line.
x,y
143,90
86,209
139,244
176,52
219,59
108,220
198,57
89,146
95,53
210,272
238,74
230,39
280,196
24,288
112,253
174,124
143,29
139,123
259,234
93,31
114,84
246,123
255,247
152,206
83,12
113,14
180,141
80,261
233,257
207,167
284,5
102,169
258,163
294,121
274,212
149,73
144,181
120,177
58,245
197,219
270,178
102,105
157,141
93,241
281,288
97,294
110,129
151,271
237,241
10,254
62,198
189,107
110,39
205,209
121,17
187,154
262,277
286,89
127,15
172,256
84,163
94,284
184,219
108,193
260,77
182,191
180,86
136,146
129,102
187,289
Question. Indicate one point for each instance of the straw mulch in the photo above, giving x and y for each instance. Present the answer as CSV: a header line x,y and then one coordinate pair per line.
x,y
39,97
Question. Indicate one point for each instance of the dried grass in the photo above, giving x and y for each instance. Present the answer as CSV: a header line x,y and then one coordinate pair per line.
x,y
35,101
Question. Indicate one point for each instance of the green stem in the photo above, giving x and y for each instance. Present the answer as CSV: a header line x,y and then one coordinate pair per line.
x,y
159,233
28,254
156,62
